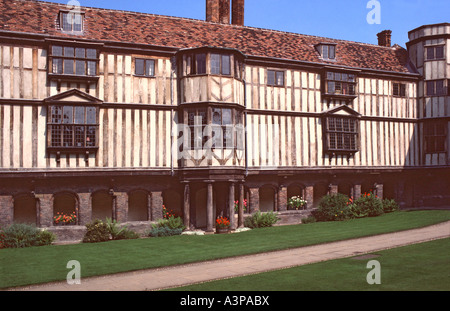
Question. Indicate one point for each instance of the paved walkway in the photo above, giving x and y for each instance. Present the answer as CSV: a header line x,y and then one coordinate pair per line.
x,y
156,279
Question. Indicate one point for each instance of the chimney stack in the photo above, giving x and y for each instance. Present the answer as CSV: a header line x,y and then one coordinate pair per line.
x,y
384,38
220,11
238,12
224,11
212,11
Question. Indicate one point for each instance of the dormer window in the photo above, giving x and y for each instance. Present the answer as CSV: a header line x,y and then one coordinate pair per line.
x,y
339,85
327,51
71,21
73,62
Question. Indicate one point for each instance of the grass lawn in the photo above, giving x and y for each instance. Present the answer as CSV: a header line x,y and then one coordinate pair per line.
x,y
46,264
420,267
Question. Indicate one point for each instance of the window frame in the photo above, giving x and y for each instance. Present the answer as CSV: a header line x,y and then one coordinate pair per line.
x,y
224,127
53,126
336,79
145,60
321,50
434,49
72,75
343,133
207,128
221,67
276,74
431,140
73,14
401,89
435,89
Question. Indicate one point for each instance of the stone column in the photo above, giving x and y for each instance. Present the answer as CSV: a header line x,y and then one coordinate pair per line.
x,y
379,190
231,206
309,196
333,189
282,198
254,200
241,206
45,210
356,192
187,207
209,208
157,205
121,206
84,209
6,210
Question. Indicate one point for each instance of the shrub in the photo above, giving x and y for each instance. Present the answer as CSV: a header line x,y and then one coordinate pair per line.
x,y
309,220
127,234
261,220
164,231
368,205
45,238
171,222
23,235
334,207
167,227
389,205
120,233
97,231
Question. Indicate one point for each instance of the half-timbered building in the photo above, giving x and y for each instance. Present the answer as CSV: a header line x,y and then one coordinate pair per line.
x,y
114,114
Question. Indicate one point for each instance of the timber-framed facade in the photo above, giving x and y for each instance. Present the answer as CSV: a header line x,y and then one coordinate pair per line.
x,y
126,112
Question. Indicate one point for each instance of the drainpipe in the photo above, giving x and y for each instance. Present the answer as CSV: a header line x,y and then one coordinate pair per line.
x,y
172,173
245,126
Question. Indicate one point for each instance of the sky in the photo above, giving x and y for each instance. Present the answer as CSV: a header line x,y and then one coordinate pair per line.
x,y
337,19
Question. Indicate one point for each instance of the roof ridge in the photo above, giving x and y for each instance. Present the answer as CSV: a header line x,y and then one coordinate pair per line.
x,y
219,24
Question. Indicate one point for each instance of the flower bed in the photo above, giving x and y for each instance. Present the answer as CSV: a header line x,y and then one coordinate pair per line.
x,y
62,219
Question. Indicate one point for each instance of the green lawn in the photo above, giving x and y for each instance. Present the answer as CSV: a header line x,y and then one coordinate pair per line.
x,y
45,264
420,267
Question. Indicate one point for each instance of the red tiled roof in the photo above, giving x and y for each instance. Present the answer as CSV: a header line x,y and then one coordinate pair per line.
x,y
38,17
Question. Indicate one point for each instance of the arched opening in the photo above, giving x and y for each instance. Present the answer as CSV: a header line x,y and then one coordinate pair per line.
x,y
25,209
292,191
367,187
266,199
102,205
138,206
65,204
200,207
172,202
320,190
345,188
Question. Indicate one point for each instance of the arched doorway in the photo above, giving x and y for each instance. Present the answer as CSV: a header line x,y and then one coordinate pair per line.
x,y
346,188
295,190
65,204
320,190
25,210
172,202
102,205
138,206
266,199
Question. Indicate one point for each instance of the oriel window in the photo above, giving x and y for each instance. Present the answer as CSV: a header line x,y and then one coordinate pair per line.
x,y
68,60
340,83
73,126
341,134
